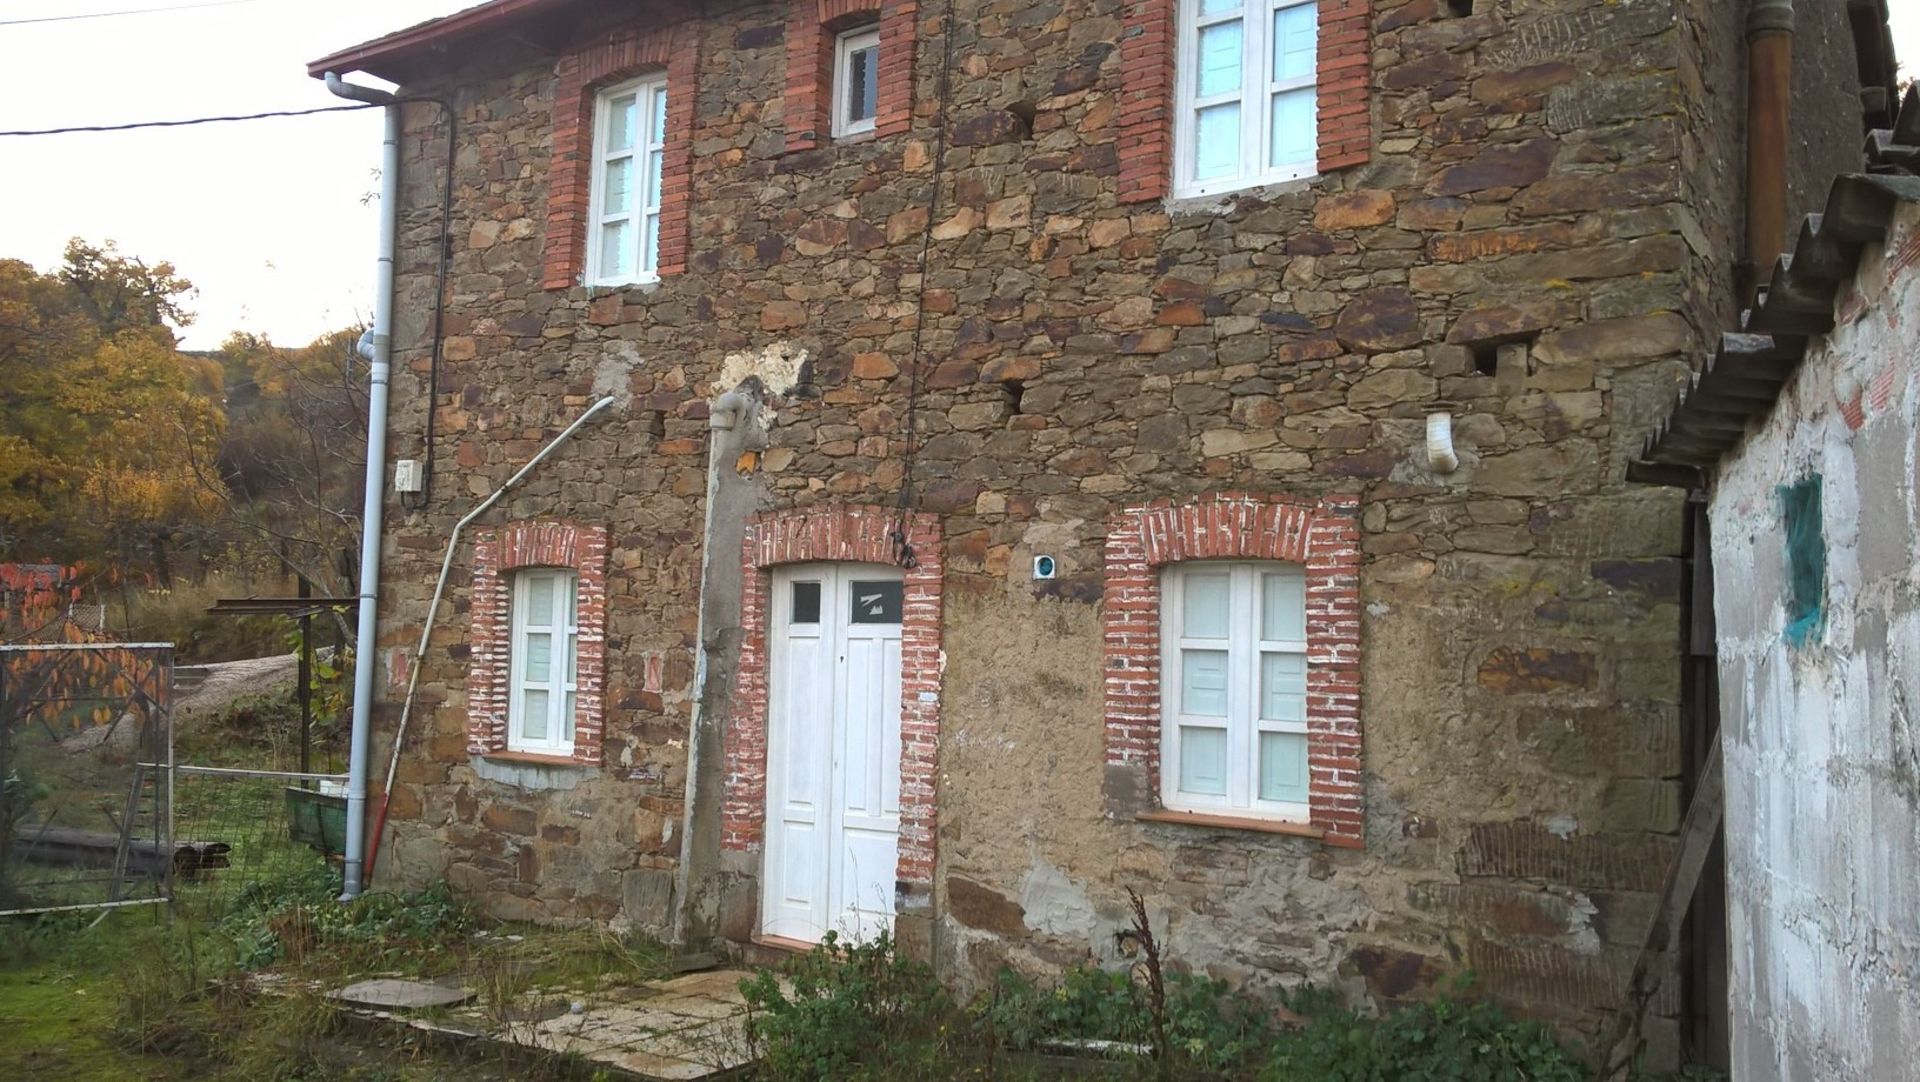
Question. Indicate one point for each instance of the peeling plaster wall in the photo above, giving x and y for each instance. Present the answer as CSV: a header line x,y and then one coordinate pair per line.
x,y
1822,751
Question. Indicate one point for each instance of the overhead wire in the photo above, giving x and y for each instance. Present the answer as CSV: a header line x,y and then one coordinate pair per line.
x,y
184,123
126,11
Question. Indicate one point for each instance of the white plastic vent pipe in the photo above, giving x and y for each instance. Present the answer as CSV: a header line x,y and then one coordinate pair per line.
x,y
1440,454
377,347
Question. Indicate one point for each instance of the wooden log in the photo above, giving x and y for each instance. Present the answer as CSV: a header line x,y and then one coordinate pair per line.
x,y
97,848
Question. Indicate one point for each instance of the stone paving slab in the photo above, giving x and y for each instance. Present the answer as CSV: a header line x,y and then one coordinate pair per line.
x,y
689,1027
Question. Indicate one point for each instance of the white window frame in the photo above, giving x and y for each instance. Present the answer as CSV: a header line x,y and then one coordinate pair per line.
x,y
844,46
649,93
1243,722
1257,87
562,684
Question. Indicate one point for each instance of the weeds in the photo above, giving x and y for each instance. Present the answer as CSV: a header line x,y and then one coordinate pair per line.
x,y
863,1011
842,1004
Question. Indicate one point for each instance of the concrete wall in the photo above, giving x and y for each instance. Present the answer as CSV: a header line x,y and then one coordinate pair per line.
x,y
1822,741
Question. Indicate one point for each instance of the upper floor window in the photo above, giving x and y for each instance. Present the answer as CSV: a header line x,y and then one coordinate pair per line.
x,y
544,671
856,81
1245,96
1234,689
629,151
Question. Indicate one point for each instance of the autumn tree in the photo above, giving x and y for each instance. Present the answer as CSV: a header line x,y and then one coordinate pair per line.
x,y
102,418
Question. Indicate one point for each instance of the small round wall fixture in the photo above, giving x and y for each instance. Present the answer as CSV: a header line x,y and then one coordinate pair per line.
x,y
1044,567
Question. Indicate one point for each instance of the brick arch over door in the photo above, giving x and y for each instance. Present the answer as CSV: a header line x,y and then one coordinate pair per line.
x,y
864,534
1323,536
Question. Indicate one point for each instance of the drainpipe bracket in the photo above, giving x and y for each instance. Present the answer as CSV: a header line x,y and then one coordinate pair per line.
x,y
1769,17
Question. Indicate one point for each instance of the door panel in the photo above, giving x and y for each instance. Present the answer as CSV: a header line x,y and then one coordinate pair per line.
x,y
834,752
799,762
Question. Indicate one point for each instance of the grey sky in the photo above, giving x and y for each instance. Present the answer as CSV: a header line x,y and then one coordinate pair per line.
x,y
267,217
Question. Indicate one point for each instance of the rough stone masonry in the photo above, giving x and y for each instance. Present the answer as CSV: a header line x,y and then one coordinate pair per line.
x,y
1539,233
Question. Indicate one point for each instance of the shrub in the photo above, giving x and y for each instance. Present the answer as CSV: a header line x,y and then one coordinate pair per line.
x,y
1210,1025
1446,1039
845,1002
290,916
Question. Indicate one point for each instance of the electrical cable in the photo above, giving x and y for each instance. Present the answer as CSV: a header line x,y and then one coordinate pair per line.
x,y
425,495
127,11
903,550
185,123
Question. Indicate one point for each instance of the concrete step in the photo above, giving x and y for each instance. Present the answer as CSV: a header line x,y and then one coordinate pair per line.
x,y
187,678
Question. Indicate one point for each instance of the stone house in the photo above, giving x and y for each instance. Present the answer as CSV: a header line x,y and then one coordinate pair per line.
x,y
1802,436
1018,486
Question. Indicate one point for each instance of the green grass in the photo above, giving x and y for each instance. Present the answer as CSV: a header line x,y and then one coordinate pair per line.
x,y
60,999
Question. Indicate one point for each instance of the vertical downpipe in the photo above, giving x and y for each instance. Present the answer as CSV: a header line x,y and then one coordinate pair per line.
x,y
378,349
1769,88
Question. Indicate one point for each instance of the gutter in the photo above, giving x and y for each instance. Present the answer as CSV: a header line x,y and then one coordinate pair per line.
x,y
377,347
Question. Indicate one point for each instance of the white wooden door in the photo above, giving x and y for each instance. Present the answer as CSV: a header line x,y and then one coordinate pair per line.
x,y
833,751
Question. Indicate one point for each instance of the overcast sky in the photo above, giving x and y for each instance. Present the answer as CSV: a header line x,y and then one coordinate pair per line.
x,y
265,217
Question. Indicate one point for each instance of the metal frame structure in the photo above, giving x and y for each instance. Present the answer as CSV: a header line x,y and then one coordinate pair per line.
x,y
136,683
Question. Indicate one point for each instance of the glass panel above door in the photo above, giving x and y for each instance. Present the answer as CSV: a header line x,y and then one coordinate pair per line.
x,y
878,602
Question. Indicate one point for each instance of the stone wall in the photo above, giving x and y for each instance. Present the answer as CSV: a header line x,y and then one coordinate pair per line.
x,y
1822,741
1081,355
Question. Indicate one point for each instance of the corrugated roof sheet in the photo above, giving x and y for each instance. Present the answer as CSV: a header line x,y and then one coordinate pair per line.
x,y
1742,380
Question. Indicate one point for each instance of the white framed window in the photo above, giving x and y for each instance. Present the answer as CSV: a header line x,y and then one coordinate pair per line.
x,y
1233,682
1245,97
544,665
629,150
856,81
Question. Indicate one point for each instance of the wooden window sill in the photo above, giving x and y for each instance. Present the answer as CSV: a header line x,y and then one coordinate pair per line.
x,y
1232,822
533,759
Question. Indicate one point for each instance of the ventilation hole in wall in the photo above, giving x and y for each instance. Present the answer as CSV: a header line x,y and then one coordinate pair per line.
x,y
1016,389
1460,7
1486,358
656,423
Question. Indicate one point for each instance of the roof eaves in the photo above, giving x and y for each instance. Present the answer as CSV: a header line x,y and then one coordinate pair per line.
x,y
1742,380
382,55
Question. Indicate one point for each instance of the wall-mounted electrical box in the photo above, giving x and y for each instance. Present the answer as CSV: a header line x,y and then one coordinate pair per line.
x,y
408,476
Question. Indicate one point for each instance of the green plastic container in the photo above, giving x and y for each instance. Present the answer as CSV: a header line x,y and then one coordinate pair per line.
x,y
318,820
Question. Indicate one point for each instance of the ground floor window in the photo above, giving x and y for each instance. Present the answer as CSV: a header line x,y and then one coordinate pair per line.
x,y
1234,736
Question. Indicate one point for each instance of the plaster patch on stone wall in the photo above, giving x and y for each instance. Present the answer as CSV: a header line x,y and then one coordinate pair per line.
x,y
1581,934
1055,905
1561,826
779,366
614,374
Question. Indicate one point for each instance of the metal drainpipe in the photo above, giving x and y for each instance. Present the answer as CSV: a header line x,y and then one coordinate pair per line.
x,y
1769,89
377,347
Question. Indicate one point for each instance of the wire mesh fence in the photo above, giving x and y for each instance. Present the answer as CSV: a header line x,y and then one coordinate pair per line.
x,y
86,737
253,830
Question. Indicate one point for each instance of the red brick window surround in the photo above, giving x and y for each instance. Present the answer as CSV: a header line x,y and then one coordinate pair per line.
x,y
497,555
812,28
1323,537
840,533
1148,84
580,75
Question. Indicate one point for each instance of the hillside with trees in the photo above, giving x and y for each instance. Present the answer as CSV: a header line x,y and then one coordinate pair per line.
x,y
152,469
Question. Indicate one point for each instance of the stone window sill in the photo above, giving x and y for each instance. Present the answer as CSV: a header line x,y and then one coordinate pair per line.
x,y
1232,822
533,759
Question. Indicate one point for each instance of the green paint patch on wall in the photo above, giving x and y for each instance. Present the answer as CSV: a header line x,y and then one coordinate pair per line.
x,y
1806,560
